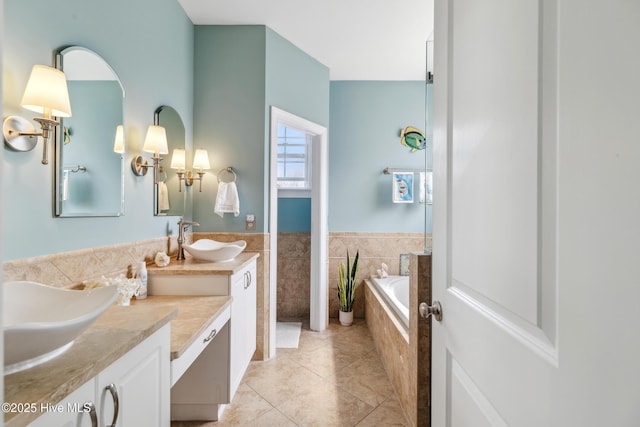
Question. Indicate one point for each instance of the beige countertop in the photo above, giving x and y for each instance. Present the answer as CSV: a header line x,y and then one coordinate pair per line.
x,y
116,332
195,314
190,266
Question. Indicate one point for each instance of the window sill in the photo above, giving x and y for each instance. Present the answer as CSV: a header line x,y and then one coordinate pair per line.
x,y
291,193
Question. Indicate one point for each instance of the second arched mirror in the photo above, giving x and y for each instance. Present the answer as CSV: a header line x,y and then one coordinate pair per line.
x,y
168,199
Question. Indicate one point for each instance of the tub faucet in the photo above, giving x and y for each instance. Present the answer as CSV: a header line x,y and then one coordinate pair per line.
x,y
182,227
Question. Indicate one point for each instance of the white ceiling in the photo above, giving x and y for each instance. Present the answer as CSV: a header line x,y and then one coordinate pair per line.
x,y
355,39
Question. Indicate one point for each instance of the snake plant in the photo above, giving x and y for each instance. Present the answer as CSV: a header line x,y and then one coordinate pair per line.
x,y
347,283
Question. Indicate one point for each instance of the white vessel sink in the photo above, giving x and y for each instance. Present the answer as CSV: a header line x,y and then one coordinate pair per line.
x,y
214,251
41,322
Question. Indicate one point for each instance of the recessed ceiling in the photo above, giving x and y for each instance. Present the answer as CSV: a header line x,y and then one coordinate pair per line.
x,y
355,39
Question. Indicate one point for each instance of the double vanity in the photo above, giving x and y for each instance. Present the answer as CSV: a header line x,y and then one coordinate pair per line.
x,y
179,354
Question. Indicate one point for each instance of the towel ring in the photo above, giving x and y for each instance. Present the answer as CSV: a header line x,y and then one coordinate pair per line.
x,y
75,169
228,170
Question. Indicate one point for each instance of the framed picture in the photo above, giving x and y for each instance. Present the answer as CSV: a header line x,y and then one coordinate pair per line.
x,y
426,188
403,187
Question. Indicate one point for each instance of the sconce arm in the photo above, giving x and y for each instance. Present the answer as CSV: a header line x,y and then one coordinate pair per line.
x,y
200,176
139,165
188,178
21,135
46,125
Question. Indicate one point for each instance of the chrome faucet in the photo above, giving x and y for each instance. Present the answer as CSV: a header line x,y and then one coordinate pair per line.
x,y
182,227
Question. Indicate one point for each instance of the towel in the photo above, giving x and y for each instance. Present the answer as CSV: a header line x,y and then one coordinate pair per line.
x,y
227,199
65,184
163,196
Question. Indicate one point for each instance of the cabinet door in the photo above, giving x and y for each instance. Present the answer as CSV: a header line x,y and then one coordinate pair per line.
x,y
75,410
243,324
135,388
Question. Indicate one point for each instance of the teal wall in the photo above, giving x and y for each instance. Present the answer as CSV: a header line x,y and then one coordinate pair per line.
x,y
229,119
294,215
366,119
298,84
240,71
154,60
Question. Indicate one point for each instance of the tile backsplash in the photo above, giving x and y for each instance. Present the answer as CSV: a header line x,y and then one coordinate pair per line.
x,y
71,269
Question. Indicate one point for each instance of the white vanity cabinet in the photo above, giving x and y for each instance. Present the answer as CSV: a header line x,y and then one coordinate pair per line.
x,y
134,390
139,382
235,278
243,323
76,410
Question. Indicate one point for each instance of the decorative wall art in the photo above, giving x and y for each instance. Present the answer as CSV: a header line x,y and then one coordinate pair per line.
x,y
413,138
403,187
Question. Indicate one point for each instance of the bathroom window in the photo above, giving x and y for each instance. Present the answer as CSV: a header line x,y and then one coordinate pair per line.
x,y
294,162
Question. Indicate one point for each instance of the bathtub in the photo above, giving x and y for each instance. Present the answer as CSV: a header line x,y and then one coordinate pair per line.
x,y
395,291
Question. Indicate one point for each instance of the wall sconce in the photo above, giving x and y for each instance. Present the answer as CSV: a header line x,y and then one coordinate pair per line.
x,y
118,144
46,93
200,164
156,143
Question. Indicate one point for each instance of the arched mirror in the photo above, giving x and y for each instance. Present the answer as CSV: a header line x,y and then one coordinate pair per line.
x,y
168,199
89,178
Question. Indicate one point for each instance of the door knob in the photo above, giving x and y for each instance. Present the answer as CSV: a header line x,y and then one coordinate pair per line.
x,y
434,310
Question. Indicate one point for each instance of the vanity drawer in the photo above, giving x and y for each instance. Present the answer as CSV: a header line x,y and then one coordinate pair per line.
x,y
199,284
182,363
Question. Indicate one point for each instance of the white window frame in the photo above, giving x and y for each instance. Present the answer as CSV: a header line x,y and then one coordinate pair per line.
x,y
301,192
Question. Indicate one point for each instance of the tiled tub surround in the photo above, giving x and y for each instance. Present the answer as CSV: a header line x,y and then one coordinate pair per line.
x,y
405,351
375,248
71,269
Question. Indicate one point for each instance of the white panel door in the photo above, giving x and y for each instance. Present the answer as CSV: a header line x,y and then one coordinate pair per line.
x,y
536,229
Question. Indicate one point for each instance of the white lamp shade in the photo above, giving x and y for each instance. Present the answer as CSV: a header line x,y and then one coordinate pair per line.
x,y
118,145
178,159
201,159
156,140
46,92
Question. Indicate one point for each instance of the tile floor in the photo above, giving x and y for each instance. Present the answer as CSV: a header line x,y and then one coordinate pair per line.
x,y
334,378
